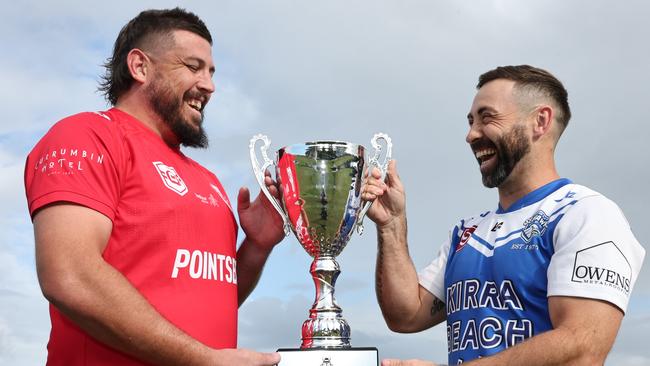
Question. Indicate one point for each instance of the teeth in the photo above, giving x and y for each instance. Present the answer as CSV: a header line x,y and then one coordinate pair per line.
x,y
482,153
196,104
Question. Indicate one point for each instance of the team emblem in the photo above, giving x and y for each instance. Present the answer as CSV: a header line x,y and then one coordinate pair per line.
x,y
170,178
464,238
534,226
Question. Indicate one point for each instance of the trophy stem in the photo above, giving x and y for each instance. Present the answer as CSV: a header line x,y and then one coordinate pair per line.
x,y
325,327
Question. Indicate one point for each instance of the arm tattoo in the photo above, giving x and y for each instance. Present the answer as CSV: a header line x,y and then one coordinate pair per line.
x,y
380,269
437,307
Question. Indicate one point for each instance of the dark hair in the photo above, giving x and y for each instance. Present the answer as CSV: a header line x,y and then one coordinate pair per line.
x,y
148,28
533,79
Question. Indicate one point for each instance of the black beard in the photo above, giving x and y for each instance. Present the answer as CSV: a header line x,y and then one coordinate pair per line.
x,y
168,107
510,150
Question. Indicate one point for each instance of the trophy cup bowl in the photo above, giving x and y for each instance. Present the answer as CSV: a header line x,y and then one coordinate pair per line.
x,y
321,184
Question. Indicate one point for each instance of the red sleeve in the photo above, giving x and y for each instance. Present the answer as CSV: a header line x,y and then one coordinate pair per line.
x,y
77,161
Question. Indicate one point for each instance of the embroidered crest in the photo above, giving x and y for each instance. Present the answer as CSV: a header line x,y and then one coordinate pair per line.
x,y
534,226
170,178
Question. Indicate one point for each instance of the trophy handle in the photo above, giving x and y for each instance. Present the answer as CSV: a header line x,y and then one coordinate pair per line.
x,y
383,167
259,175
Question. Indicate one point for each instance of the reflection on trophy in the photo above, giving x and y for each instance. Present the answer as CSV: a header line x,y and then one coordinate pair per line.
x,y
321,184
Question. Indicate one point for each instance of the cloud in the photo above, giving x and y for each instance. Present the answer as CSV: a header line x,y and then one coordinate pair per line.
x,y
24,323
300,71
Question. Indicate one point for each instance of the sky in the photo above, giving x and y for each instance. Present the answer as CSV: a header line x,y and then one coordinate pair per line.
x,y
342,70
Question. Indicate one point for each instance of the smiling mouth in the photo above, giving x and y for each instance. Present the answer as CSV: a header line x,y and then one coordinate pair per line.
x,y
483,155
196,105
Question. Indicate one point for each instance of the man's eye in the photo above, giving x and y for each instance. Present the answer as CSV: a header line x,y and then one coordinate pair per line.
x,y
192,67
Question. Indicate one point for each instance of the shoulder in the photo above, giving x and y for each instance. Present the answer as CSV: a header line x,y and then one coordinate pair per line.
x,y
84,127
86,121
102,130
590,218
581,202
85,135
474,220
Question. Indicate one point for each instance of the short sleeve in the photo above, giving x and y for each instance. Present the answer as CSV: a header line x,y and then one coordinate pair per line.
x,y
596,254
432,277
76,161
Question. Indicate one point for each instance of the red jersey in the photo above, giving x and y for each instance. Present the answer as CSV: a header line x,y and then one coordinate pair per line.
x,y
174,233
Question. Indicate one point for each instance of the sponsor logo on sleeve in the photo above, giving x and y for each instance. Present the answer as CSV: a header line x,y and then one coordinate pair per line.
x,y
603,265
68,161
170,178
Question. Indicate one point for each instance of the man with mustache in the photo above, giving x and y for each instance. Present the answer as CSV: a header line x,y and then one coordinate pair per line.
x,y
543,279
135,241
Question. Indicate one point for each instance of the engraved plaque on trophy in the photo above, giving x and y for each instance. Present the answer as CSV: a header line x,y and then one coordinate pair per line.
x,y
320,184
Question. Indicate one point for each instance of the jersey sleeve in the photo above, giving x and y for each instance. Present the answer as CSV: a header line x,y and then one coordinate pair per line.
x,y
432,277
596,254
76,161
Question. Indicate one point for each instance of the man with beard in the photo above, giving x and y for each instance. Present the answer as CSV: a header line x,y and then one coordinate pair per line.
x,y
545,278
136,242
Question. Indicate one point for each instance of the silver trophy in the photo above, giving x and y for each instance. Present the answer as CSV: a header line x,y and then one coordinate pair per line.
x,y
321,184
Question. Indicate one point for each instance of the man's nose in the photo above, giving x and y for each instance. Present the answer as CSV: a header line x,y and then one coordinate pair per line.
x,y
206,84
473,134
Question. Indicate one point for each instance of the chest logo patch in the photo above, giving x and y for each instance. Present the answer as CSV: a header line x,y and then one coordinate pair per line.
x,y
467,233
170,178
535,226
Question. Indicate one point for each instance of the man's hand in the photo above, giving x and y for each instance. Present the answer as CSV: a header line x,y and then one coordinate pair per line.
x,y
245,357
389,197
259,219
406,363
263,227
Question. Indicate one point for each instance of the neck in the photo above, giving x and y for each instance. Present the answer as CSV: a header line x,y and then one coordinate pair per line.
x,y
139,108
526,178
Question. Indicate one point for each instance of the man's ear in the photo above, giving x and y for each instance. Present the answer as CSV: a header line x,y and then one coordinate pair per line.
x,y
139,65
543,121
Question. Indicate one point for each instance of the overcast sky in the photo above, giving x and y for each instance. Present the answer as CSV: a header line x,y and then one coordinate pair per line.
x,y
344,70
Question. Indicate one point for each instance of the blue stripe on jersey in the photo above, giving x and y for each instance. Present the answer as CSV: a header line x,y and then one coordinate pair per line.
x,y
509,235
518,231
535,196
496,287
480,240
563,207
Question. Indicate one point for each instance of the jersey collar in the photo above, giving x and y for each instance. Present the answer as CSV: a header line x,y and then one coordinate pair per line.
x,y
536,195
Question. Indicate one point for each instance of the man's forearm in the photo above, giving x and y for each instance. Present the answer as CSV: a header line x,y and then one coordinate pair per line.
x,y
250,262
555,347
106,306
396,279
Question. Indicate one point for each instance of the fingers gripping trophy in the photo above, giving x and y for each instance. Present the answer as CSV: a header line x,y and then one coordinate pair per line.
x,y
320,184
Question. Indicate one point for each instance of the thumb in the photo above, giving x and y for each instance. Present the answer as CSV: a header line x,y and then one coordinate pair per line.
x,y
269,359
392,176
243,199
389,362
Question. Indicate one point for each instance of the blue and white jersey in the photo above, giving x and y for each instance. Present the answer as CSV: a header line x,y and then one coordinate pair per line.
x,y
497,269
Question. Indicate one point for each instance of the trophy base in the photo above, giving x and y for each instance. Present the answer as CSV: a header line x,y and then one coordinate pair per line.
x,y
355,356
